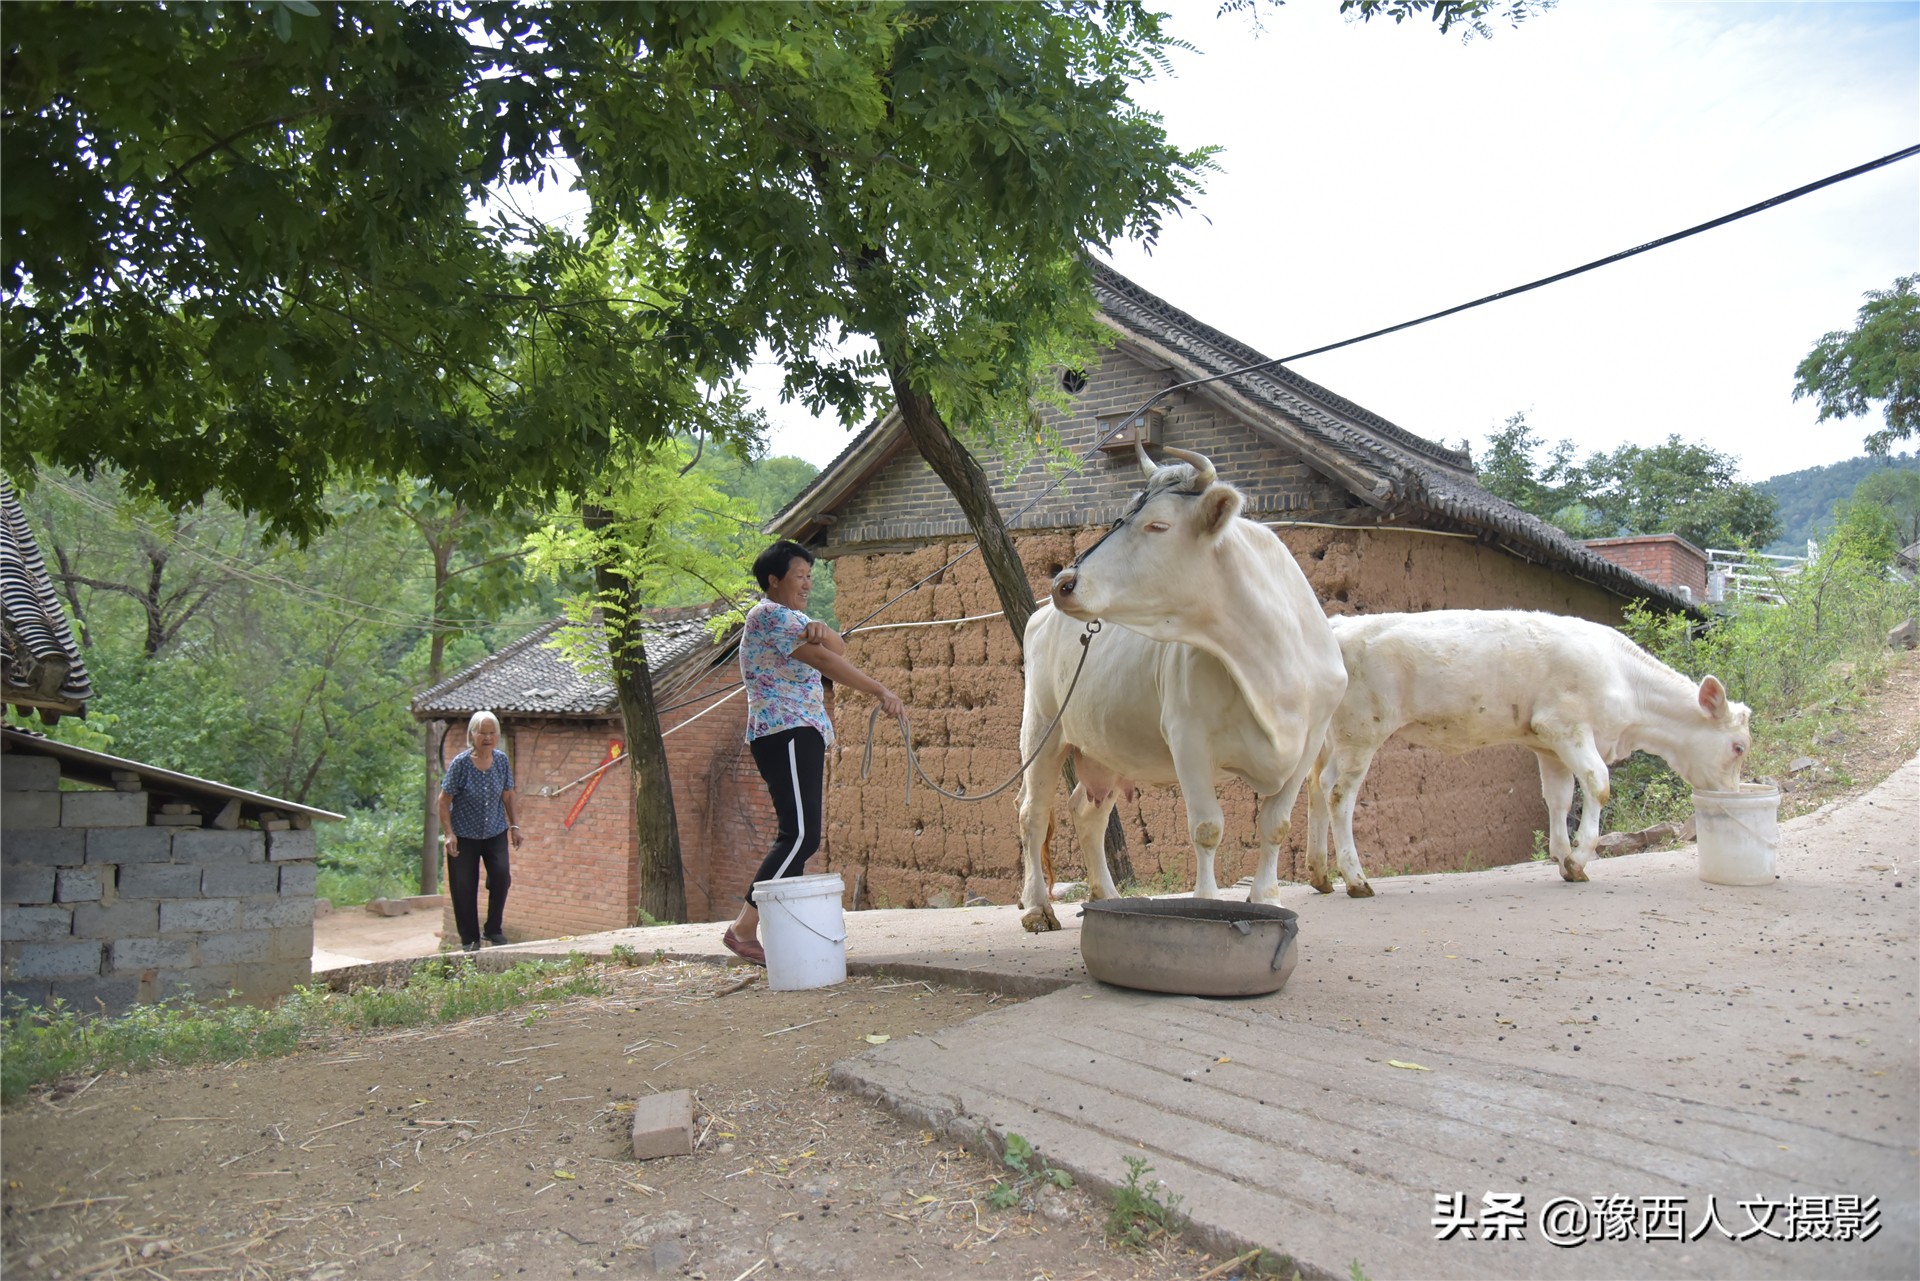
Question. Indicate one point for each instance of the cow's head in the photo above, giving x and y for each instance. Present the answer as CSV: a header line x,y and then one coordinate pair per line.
x,y
1718,746
1155,570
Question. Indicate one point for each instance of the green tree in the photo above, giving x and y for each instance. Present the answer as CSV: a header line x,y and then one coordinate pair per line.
x,y
1677,487
1671,488
651,525
924,175
240,254
1878,360
1897,493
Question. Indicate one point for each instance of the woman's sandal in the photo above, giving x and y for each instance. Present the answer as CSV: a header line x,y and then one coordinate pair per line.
x,y
741,948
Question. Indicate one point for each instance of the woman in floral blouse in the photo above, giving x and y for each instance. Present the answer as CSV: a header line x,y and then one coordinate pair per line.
x,y
783,656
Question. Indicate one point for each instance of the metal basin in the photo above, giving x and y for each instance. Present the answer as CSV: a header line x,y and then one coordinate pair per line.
x,y
1195,947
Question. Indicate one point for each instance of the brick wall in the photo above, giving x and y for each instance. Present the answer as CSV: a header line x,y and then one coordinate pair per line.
x,y
584,879
1667,559
102,906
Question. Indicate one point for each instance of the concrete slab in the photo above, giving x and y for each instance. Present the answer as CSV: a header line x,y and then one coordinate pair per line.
x,y
1674,1049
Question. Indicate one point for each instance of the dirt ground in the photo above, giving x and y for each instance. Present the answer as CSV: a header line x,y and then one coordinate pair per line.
x,y
499,1148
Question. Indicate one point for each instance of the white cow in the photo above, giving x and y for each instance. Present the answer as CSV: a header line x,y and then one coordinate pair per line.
x,y
1578,693
1214,659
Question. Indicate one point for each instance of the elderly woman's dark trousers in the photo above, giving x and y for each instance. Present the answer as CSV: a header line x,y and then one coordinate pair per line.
x,y
463,883
794,765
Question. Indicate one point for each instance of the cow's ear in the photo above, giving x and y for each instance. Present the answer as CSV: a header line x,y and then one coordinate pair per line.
x,y
1218,506
1713,697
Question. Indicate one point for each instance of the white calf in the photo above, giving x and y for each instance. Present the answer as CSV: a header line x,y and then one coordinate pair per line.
x,y
1578,693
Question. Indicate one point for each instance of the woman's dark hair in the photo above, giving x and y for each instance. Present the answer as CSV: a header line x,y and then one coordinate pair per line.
x,y
777,560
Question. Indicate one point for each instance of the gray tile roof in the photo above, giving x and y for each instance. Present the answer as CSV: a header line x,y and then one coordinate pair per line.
x,y
38,656
528,679
1406,478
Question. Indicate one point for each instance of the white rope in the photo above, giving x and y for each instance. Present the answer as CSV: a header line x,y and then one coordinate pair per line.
x,y
936,622
738,690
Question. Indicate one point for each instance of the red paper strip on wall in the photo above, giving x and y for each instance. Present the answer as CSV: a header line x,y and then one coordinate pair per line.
x,y
613,754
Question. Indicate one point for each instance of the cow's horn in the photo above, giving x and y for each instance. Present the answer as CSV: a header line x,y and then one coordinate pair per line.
x,y
1203,473
1147,465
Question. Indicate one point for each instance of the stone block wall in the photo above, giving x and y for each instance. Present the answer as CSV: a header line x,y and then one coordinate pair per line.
x,y
98,908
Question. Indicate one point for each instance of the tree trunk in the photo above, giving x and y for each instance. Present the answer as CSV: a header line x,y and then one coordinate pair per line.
x,y
961,474
442,549
663,887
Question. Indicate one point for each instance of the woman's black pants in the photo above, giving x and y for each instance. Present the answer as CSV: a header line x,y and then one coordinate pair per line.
x,y
463,883
794,763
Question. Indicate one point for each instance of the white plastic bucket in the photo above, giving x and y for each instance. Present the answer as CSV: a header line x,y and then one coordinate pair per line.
x,y
1738,834
803,931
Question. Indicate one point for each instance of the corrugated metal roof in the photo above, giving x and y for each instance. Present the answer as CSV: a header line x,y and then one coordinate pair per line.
x,y
527,678
41,662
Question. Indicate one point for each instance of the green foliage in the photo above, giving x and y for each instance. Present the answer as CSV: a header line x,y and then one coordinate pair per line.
x,y
1143,1214
1878,360
43,1044
1806,498
1646,791
1671,488
1797,661
1029,1169
240,254
662,533
374,854
1895,494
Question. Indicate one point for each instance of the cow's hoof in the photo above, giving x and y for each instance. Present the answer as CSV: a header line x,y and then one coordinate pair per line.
x,y
1359,890
1569,872
1265,894
1322,887
1040,920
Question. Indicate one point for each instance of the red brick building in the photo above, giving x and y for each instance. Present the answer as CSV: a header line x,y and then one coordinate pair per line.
x,y
1666,559
578,871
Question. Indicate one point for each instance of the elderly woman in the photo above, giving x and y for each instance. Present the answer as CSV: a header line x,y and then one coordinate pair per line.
x,y
783,655
476,818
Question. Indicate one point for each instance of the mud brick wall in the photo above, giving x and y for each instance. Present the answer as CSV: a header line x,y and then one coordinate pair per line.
x,y
1667,559
1420,811
102,909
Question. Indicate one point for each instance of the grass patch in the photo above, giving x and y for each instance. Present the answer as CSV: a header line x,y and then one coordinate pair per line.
x,y
39,1045
1143,1214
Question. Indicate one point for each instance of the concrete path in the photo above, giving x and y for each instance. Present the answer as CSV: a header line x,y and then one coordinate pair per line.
x,y
1655,1065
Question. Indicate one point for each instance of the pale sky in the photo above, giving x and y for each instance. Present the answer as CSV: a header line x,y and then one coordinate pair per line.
x,y
1372,174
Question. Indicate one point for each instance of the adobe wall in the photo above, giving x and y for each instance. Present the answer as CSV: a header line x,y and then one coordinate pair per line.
x,y
1419,812
110,903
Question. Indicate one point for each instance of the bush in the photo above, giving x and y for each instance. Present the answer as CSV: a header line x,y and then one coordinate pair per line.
x,y
374,854
1797,663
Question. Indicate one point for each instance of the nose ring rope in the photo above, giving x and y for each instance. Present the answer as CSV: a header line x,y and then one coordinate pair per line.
x,y
906,735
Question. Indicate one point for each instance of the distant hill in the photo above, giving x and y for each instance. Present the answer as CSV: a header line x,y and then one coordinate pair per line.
x,y
1807,497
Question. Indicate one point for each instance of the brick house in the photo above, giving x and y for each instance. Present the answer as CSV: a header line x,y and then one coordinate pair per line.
x,y
1666,559
578,871
1380,519
121,882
